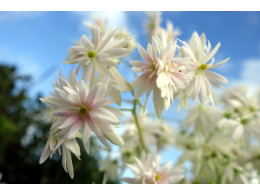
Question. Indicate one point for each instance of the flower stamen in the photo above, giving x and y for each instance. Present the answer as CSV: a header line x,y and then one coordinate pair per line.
x,y
83,111
91,54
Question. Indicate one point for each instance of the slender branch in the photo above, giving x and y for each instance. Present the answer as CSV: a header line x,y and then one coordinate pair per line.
x,y
138,126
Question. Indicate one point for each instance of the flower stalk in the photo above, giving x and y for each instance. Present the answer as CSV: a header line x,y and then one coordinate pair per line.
x,y
140,134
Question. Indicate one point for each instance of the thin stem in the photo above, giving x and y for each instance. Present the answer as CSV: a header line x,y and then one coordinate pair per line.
x,y
138,126
126,109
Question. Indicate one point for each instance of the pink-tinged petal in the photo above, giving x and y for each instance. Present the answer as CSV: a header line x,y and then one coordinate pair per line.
x,y
144,54
97,132
69,121
45,153
118,113
141,89
69,90
139,64
69,100
110,133
141,79
53,101
64,112
93,95
103,102
83,91
74,129
104,115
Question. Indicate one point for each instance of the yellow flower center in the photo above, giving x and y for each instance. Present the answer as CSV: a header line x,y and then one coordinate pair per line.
x,y
201,68
115,60
157,177
83,111
91,54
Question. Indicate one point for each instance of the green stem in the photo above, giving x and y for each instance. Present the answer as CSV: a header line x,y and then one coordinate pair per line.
x,y
126,109
140,133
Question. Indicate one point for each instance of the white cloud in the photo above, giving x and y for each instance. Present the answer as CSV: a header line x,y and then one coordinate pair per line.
x,y
248,75
250,71
115,18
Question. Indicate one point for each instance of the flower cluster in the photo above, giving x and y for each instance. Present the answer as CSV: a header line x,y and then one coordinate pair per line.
x,y
148,170
170,69
186,75
222,143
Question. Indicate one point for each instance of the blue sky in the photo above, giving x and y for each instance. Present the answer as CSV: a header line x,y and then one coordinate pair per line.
x,y
39,41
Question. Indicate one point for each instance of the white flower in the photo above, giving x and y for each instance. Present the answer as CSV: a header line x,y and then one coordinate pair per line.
x,y
241,118
240,128
152,26
123,33
146,82
172,75
202,118
79,106
235,97
101,22
110,167
200,55
160,73
165,137
148,170
170,32
53,145
98,54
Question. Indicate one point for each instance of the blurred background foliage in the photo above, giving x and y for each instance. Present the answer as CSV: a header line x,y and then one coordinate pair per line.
x,y
23,129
